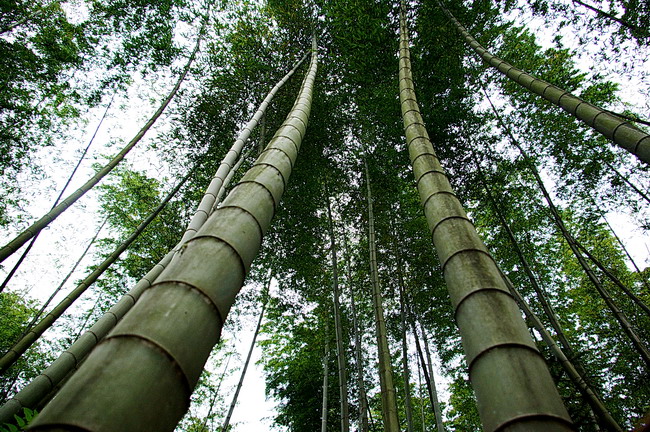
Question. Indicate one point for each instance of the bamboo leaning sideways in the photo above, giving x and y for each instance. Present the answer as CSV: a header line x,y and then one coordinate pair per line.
x,y
157,352
41,386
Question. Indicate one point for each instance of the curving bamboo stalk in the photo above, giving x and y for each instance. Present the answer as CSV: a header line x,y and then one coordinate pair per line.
x,y
511,381
34,392
141,375
612,127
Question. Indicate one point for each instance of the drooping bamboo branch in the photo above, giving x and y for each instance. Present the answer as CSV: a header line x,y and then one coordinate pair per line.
x,y
37,331
157,351
578,379
499,350
388,400
65,186
44,221
612,127
338,326
34,392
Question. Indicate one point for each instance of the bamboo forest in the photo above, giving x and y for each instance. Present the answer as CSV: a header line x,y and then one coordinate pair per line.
x,y
379,215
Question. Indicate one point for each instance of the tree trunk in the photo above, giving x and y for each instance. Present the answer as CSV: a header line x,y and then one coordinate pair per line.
x,y
622,133
388,401
363,404
500,352
432,377
37,331
338,327
157,352
323,416
34,392
405,362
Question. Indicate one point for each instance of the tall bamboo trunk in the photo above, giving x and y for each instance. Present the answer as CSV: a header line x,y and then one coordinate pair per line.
x,y
363,405
41,386
625,324
157,351
388,400
19,348
44,221
513,387
612,127
338,327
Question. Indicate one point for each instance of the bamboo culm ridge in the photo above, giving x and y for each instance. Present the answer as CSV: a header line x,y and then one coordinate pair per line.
x,y
621,132
35,391
501,355
158,350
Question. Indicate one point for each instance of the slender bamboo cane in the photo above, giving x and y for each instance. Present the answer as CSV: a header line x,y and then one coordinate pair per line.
x,y
408,406
613,17
207,202
226,422
388,400
436,403
324,409
363,404
625,324
338,326
44,221
63,282
43,384
501,355
37,331
590,396
431,389
216,394
156,353
622,133
614,279
65,186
